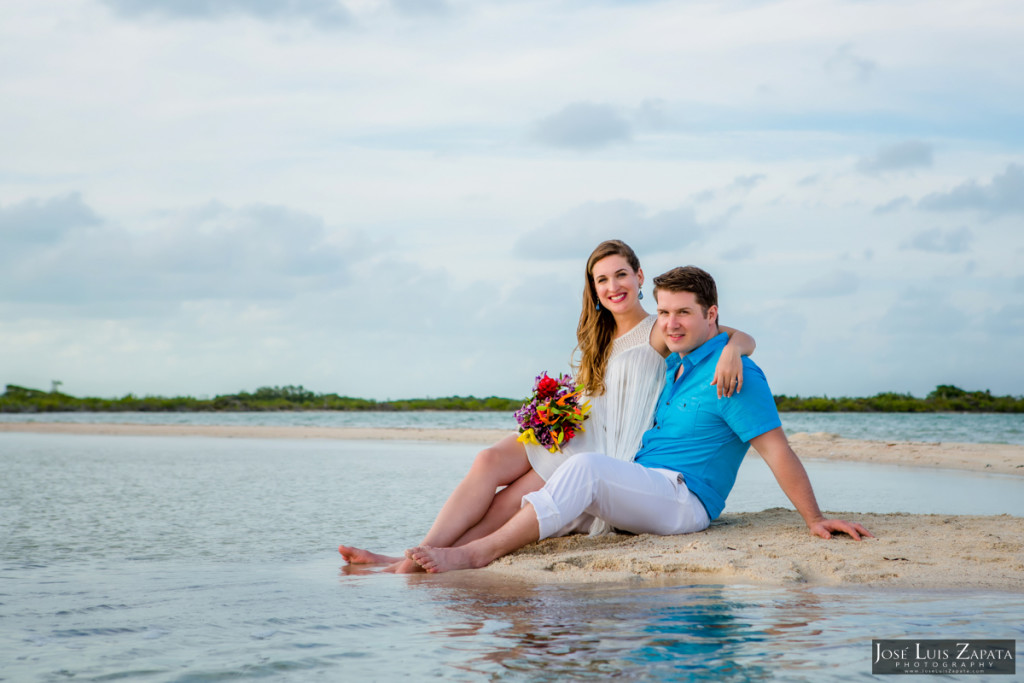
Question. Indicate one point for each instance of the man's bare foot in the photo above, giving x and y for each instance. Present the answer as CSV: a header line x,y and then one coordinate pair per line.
x,y
437,560
360,556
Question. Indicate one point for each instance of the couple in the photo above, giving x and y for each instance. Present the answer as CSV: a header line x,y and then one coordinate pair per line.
x,y
680,475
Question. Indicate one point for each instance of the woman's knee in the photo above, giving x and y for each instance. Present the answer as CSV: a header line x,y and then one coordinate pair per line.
x,y
486,459
486,463
500,465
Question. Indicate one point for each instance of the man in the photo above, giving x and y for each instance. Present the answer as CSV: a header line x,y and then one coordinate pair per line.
x,y
688,460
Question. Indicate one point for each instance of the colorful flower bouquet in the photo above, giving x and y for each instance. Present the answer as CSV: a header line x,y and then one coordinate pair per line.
x,y
555,412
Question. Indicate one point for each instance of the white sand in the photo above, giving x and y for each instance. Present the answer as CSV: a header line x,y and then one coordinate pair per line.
x,y
774,547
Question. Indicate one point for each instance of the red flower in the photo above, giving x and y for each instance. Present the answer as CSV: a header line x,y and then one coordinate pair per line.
x,y
546,388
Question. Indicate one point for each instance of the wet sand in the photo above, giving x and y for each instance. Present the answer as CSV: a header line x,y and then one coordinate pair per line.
x,y
772,546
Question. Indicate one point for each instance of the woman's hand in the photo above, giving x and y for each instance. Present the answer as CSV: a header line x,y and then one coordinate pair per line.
x,y
728,372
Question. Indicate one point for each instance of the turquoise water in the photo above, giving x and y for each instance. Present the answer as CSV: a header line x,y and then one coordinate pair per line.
x,y
198,559
954,427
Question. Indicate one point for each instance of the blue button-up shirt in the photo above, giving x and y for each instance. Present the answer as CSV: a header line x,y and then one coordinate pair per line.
x,y
702,437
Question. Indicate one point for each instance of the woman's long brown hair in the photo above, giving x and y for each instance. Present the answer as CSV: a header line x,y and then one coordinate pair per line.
x,y
596,329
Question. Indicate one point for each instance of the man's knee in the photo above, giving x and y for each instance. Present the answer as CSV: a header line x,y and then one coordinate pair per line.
x,y
582,470
588,462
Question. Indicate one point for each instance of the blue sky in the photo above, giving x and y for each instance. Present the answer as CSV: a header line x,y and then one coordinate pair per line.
x,y
395,198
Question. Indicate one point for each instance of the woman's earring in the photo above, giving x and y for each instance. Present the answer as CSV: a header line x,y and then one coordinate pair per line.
x,y
597,306
641,296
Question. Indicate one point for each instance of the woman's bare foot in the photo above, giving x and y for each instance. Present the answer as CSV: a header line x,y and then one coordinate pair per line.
x,y
437,560
404,566
360,569
360,556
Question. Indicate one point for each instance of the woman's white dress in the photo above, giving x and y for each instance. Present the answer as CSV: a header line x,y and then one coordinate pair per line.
x,y
618,418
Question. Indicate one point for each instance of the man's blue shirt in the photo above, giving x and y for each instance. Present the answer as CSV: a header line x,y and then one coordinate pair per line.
x,y
702,437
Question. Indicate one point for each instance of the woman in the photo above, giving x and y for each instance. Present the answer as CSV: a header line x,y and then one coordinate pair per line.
x,y
621,367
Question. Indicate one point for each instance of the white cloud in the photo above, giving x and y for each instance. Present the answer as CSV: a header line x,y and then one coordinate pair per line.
x,y
1003,195
422,7
740,186
893,205
745,183
898,157
36,222
330,13
834,284
211,252
947,242
846,66
1007,320
923,312
740,253
575,233
582,126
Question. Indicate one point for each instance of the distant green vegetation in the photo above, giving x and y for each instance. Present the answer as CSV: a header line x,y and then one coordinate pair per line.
x,y
22,400
945,398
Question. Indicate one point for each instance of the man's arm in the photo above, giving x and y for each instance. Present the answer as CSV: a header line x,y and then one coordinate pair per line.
x,y
792,478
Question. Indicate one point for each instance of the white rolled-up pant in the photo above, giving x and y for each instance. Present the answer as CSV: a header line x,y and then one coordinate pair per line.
x,y
628,496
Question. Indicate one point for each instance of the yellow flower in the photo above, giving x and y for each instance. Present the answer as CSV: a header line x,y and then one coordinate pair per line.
x,y
529,437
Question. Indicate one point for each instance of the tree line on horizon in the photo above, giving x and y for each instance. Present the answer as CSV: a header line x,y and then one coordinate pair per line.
x,y
16,399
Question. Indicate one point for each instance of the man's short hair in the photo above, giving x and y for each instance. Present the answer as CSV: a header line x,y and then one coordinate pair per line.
x,y
689,279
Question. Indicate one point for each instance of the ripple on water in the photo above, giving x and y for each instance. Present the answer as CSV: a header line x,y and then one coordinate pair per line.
x,y
92,608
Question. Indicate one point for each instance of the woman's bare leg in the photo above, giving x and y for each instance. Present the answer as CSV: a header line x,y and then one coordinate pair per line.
x,y
494,467
354,555
503,507
499,465
506,504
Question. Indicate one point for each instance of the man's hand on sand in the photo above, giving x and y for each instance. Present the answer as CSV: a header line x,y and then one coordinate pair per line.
x,y
827,527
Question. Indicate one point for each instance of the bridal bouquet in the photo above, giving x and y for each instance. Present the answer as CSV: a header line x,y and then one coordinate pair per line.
x,y
554,413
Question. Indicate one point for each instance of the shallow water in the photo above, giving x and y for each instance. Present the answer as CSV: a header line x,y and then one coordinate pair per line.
x,y
196,559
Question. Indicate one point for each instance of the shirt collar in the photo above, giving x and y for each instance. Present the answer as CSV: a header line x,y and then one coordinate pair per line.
x,y
700,353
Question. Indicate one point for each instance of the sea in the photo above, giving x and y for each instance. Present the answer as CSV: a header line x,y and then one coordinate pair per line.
x,y
212,559
929,427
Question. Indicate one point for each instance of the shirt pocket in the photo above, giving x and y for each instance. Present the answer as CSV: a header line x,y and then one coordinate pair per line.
x,y
680,420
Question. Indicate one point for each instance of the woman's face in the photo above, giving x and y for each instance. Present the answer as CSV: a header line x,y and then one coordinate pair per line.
x,y
616,283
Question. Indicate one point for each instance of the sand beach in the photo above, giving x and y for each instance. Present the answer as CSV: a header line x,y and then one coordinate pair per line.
x,y
954,552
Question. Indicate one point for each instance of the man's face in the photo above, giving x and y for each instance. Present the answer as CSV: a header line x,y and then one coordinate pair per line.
x,y
683,322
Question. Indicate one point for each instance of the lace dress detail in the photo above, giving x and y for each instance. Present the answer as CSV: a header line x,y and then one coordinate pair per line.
x,y
618,418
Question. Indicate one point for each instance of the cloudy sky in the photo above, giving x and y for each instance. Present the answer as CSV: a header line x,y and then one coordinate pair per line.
x,y
395,198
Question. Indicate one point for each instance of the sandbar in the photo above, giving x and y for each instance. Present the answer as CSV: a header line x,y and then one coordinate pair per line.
x,y
480,436
773,547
